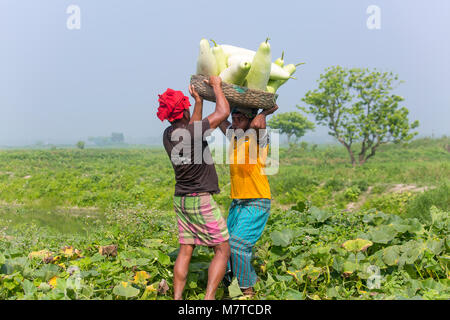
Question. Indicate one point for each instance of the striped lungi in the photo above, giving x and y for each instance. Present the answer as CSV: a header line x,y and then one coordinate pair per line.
x,y
246,221
200,221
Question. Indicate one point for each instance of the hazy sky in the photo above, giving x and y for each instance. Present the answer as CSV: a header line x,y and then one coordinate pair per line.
x,y
62,85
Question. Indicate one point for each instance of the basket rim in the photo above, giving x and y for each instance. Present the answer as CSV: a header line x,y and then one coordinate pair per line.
x,y
275,95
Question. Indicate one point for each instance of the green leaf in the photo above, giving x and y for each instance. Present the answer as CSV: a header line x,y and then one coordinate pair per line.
x,y
44,286
126,290
415,226
357,245
313,272
97,257
382,234
129,263
10,285
338,263
432,284
163,258
321,254
152,243
349,267
270,280
391,255
234,290
6,268
87,291
283,278
291,294
281,238
311,231
142,262
47,272
319,215
28,287
333,292
436,246
61,284
410,254
438,215
401,226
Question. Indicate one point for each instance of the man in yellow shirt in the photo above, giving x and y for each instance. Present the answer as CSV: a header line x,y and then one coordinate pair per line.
x,y
250,190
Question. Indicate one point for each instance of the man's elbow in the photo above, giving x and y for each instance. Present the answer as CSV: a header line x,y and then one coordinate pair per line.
x,y
222,115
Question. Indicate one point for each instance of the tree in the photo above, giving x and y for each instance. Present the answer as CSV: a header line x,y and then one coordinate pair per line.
x,y
357,105
117,138
80,145
291,124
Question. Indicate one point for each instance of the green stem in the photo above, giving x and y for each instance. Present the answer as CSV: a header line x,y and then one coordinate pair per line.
x,y
436,275
215,44
299,64
328,274
306,285
429,231
420,274
267,39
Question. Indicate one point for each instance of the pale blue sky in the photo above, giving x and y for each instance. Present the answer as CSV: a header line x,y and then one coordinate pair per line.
x,y
59,85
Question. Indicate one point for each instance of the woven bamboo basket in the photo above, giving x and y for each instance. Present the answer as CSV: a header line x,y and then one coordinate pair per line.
x,y
237,96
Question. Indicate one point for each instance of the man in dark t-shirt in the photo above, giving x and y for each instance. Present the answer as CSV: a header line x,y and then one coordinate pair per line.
x,y
192,174
199,219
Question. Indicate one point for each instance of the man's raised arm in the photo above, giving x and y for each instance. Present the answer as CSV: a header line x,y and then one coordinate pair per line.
x,y
222,110
197,114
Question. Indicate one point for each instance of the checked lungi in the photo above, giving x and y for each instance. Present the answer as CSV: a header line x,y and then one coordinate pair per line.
x,y
246,221
200,221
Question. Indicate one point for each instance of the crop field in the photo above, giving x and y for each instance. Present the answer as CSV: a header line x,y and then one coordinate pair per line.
x,y
99,224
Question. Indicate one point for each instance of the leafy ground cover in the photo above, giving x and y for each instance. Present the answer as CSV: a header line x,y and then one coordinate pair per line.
x,y
98,224
314,254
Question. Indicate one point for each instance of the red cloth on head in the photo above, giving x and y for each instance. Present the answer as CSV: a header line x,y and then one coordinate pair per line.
x,y
171,105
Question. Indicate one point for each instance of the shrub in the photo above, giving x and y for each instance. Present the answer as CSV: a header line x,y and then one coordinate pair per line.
x,y
352,193
395,203
420,207
361,184
379,188
304,145
80,145
334,184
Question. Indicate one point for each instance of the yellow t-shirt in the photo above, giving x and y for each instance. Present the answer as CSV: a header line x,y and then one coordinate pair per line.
x,y
247,164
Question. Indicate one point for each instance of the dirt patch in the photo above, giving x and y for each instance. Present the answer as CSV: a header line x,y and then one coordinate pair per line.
x,y
399,188
284,207
353,206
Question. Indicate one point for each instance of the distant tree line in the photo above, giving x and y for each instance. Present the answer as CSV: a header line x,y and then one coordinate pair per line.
x,y
115,139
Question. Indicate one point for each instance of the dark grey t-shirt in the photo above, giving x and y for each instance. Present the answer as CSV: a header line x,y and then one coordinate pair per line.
x,y
191,159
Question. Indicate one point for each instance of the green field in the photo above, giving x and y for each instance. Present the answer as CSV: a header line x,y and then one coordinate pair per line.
x,y
58,208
